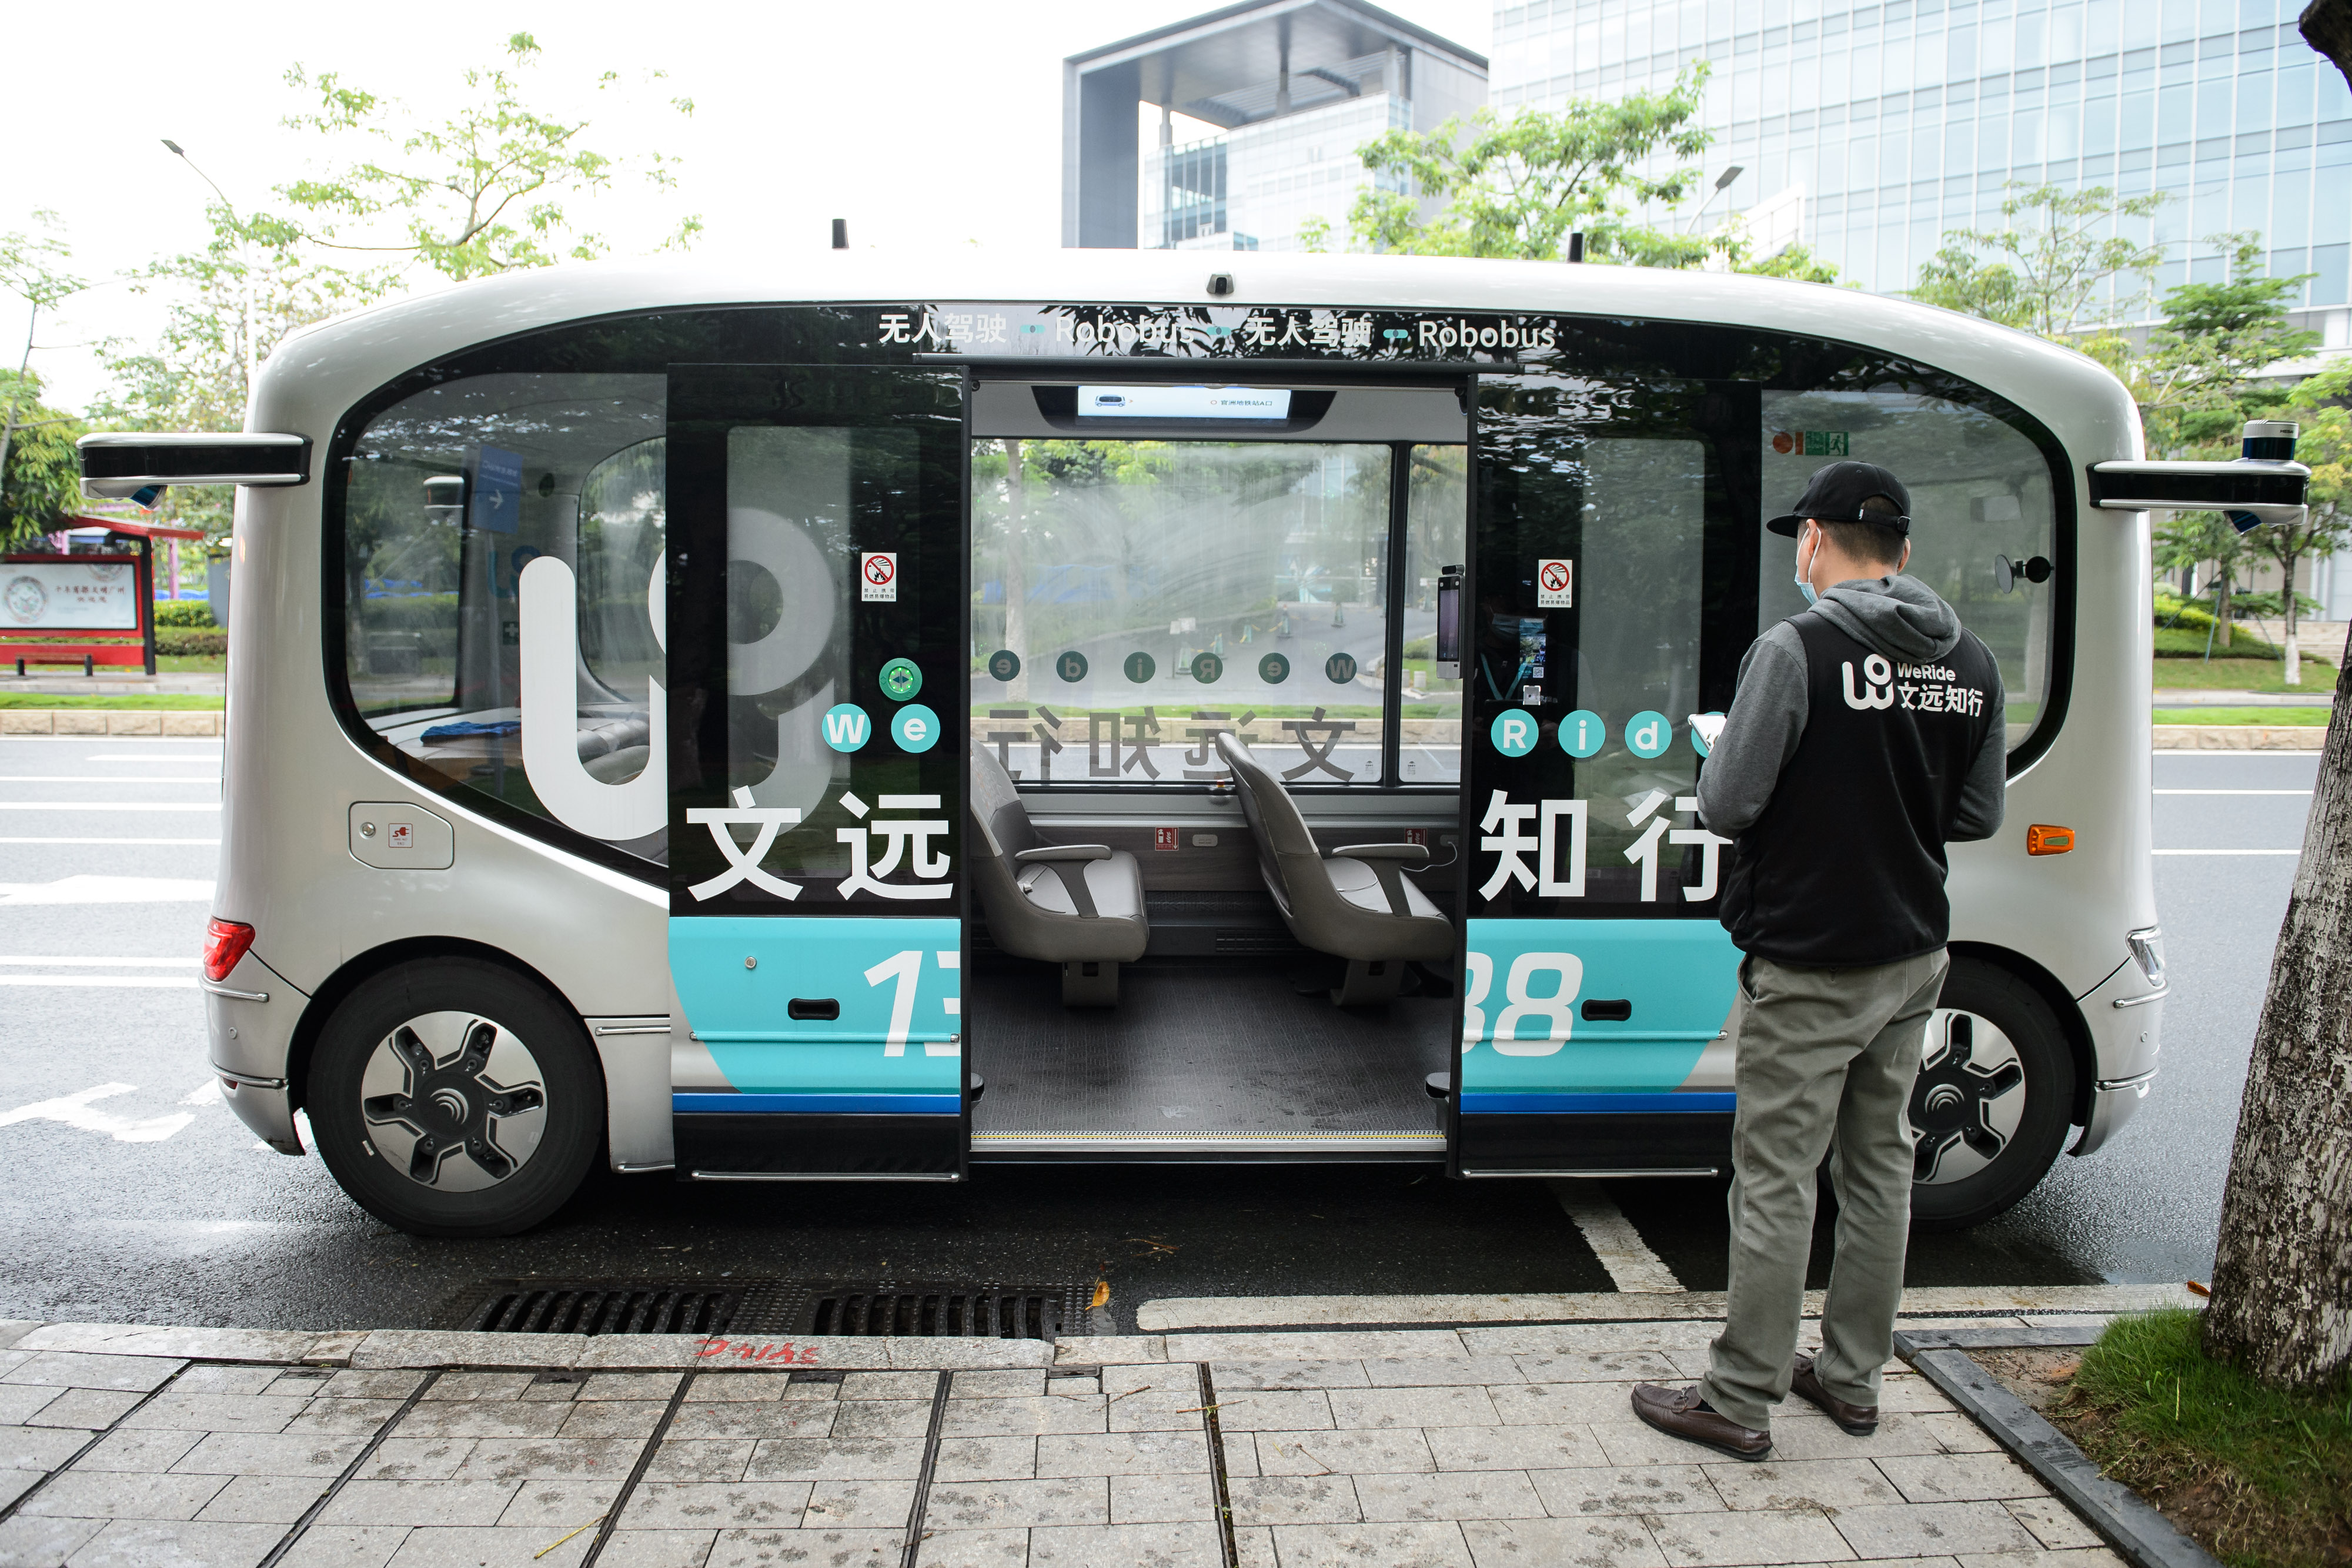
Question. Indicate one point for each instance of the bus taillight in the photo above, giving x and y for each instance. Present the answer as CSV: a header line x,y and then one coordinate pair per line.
x,y
225,942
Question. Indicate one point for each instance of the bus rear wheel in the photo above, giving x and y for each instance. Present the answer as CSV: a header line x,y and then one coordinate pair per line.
x,y
1993,1101
451,1097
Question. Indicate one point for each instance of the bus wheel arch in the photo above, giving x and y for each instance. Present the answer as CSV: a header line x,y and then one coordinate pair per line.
x,y
450,1089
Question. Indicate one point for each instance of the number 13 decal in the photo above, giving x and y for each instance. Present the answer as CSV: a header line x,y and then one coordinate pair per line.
x,y
907,969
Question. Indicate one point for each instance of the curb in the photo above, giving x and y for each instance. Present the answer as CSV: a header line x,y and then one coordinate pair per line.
x,y
111,721
2130,1524
2241,737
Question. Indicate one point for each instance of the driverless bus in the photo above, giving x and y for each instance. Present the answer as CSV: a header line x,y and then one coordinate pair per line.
x,y
863,719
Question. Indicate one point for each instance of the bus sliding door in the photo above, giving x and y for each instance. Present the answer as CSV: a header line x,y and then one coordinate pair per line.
x,y
816,714
1611,591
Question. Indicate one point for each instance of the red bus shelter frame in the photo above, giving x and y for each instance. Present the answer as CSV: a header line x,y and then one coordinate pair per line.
x,y
119,645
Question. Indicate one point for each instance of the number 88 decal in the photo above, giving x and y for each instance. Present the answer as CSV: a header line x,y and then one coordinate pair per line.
x,y
1557,1010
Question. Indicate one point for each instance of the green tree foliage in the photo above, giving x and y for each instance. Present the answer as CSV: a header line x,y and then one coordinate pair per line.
x,y
42,483
483,191
32,268
1517,188
2196,383
2048,273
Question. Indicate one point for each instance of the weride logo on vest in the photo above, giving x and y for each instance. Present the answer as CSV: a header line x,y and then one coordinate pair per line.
x,y
1924,688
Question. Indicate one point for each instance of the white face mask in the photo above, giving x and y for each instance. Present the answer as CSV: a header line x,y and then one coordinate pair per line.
x,y
1804,586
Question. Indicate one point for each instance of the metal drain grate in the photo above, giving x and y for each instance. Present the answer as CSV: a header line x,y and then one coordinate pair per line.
x,y
896,1311
741,1307
609,1306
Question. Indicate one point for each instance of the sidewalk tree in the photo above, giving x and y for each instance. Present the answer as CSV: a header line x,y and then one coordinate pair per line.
x,y
2325,526
2049,273
32,268
1517,188
42,483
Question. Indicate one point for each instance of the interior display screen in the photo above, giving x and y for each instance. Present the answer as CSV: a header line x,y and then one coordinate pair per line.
x,y
1183,403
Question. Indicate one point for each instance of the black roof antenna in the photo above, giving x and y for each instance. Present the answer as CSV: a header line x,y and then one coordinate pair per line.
x,y
841,234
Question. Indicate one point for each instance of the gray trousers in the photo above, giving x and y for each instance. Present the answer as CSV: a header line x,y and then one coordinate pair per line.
x,y
1825,1059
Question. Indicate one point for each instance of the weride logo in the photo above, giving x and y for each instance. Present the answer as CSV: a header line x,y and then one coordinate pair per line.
x,y
1878,688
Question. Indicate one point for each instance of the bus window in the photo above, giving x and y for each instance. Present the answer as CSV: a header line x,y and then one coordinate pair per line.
x,y
452,497
1437,506
1132,598
1979,487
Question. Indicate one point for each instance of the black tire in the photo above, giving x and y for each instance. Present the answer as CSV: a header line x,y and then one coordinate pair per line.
x,y
1978,1155
473,1108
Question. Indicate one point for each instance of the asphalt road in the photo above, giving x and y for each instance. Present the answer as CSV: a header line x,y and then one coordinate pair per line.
x,y
132,1194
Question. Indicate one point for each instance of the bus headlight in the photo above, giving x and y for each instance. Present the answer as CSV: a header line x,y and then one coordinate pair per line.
x,y
2147,952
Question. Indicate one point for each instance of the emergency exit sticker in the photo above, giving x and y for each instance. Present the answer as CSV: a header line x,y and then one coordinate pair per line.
x,y
877,577
1555,585
1810,442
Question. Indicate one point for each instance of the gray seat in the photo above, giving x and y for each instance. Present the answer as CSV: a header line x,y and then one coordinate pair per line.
x,y
1078,906
1353,903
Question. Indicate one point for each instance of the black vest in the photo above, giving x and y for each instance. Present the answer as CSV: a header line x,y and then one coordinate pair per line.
x,y
1845,867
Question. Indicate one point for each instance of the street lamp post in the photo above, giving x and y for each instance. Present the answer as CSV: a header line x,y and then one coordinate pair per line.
x,y
244,263
1722,184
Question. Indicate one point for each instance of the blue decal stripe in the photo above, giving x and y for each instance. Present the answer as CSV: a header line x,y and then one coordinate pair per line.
x,y
1557,1105
818,1104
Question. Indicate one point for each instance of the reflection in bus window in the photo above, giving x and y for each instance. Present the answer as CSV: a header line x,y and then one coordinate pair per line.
x,y
537,684
1133,598
1979,487
1437,502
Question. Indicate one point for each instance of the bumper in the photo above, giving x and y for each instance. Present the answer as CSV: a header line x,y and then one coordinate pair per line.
x,y
2126,1018
263,1105
249,1020
2112,1104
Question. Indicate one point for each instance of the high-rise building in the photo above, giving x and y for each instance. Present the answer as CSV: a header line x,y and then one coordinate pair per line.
x,y
1884,126
1293,87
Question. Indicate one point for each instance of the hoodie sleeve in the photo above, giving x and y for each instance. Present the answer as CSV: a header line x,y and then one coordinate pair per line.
x,y
1984,793
1759,734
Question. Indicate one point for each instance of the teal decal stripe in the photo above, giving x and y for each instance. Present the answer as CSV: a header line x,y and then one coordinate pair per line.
x,y
1523,1032
1596,1104
896,983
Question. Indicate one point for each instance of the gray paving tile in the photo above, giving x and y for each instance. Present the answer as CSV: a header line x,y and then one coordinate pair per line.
x,y
656,1549
1412,1407
1162,1500
1122,1453
15,1484
1801,1483
28,1541
1153,1410
73,1369
657,1387
1913,1395
268,1454
2077,1557
156,1451
1755,1536
823,1459
974,1548
228,1379
1456,1494
614,1418
123,1494
347,1383
550,1459
1253,1546
1019,1418
1548,1542
1598,1366
1119,1382
1241,1454
450,1502
1000,1505
558,1505
20,1402
144,1543
754,1418
883,1417
985,1459
1233,1375
38,1448
342,1418
1625,1440
1957,1433
1514,1447
1130,1545
264,1499
724,1460
490,1547
1295,1500
555,1388
1433,1372
484,1418
345,1546
715,1505
995,1382
1351,1452
1806,1434
831,1548
1618,1490
1389,1545
459,1386
1919,1529
2052,1522
292,1382
92,1409
175,1411
1273,1410
1551,1404
859,1505
921,1385
416,1459
740,1387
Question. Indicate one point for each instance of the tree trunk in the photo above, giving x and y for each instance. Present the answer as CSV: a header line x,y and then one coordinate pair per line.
x,y
2327,27
2283,1282
2222,613
2294,659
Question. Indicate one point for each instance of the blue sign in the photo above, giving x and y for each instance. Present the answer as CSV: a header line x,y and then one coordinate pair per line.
x,y
494,503
1583,732
1648,734
846,728
1513,732
915,728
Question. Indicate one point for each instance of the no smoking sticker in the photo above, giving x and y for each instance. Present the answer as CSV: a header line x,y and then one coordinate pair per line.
x,y
1555,585
877,577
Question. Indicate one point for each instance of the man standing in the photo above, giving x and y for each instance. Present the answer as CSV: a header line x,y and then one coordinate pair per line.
x,y
1865,733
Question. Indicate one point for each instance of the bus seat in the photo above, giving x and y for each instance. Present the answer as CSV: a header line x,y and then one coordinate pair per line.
x,y
1353,903
1078,906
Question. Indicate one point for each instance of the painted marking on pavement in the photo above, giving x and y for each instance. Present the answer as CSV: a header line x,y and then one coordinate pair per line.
x,y
109,805
80,962
103,982
2226,852
137,757
2233,791
216,842
110,890
75,1110
108,778
1631,1266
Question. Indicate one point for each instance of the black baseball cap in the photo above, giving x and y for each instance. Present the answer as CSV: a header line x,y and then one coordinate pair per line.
x,y
1835,495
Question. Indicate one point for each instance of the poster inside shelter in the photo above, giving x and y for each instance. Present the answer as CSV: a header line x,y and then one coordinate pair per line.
x,y
81,596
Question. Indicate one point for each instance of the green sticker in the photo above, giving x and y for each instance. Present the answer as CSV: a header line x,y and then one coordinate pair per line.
x,y
1273,669
1005,663
1340,667
1071,666
1140,668
1207,667
902,678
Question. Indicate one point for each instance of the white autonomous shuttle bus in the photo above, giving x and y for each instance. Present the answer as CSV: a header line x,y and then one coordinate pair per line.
x,y
862,718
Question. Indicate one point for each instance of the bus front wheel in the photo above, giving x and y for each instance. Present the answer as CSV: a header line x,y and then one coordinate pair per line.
x,y
451,1097
1991,1109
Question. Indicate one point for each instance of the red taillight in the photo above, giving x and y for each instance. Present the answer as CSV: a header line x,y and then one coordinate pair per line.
x,y
225,943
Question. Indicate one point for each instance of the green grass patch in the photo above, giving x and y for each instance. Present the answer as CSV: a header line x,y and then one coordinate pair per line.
x,y
2243,675
2257,718
2189,643
2258,1477
177,700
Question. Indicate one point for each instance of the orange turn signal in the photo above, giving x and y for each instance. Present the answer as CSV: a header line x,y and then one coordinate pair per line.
x,y
2041,839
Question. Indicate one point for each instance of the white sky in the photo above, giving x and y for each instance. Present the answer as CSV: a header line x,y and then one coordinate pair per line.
x,y
922,122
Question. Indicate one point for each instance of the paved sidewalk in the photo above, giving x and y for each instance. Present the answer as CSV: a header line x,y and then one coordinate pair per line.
x,y
1477,1447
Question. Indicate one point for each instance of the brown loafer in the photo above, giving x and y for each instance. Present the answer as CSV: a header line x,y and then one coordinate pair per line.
x,y
1857,1420
1676,1413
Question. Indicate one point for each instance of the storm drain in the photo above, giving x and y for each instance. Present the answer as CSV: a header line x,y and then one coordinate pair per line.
x,y
889,1309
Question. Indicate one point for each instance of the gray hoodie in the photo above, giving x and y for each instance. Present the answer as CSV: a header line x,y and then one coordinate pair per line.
x,y
1902,618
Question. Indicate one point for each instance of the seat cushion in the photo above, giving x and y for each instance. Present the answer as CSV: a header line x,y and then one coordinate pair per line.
x,y
1360,885
1116,885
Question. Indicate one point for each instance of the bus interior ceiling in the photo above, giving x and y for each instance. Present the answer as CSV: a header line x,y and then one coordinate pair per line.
x,y
1209,577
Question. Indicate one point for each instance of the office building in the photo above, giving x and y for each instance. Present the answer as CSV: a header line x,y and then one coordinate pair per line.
x,y
1292,88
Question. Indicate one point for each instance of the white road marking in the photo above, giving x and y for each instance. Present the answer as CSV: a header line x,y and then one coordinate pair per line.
x,y
208,1093
1631,1266
110,890
109,805
103,982
135,756
108,778
2226,852
2233,791
75,1111
22,960
213,841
